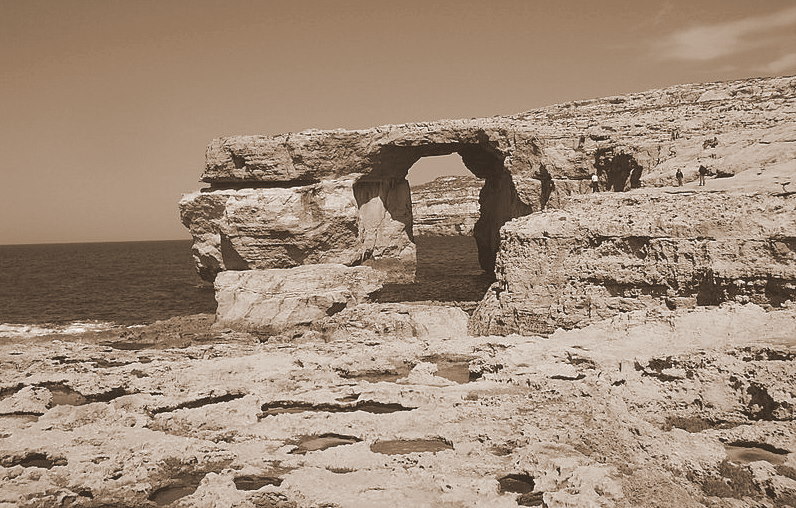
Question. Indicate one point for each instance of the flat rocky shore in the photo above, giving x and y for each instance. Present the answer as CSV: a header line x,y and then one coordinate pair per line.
x,y
679,408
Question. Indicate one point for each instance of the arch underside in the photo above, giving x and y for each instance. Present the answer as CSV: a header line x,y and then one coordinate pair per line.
x,y
385,205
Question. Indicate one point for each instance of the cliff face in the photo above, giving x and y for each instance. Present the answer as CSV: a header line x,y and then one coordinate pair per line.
x,y
446,206
609,253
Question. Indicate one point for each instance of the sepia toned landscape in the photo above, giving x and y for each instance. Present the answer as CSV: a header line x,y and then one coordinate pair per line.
x,y
635,346
416,254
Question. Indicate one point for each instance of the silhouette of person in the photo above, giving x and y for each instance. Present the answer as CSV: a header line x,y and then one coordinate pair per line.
x,y
703,171
595,183
679,176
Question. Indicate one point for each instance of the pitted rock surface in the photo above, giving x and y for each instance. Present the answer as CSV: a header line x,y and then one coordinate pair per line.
x,y
688,408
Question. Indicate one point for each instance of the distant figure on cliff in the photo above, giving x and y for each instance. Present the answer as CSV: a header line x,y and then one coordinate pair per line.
x,y
679,176
595,183
703,171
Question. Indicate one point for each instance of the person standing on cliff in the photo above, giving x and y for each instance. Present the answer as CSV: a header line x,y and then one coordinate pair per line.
x,y
679,176
595,183
703,171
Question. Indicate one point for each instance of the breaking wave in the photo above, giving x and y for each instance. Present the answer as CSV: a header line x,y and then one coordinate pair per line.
x,y
12,330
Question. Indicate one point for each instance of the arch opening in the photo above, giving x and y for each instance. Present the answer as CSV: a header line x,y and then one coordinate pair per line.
x,y
393,245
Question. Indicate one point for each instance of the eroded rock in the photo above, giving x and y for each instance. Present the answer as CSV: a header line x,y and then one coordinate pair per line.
x,y
274,301
610,253
614,437
273,227
446,206
341,196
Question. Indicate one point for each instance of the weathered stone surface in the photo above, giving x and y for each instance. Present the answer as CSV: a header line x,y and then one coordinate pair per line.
x,y
528,161
643,410
315,154
608,253
273,228
446,206
729,125
374,320
278,300
385,227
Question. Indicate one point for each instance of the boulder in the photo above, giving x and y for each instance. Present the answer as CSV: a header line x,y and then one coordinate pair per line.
x,y
395,320
280,300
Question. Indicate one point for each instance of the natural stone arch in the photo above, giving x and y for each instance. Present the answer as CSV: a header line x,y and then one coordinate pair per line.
x,y
384,199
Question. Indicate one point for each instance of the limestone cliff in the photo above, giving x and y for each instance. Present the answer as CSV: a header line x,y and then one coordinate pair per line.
x,y
341,197
608,253
446,206
527,161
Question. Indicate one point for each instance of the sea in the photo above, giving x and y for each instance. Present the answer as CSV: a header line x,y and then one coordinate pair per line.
x,y
66,288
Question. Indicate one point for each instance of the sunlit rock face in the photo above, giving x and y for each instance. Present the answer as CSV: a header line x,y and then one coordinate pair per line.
x,y
342,197
277,300
609,253
273,227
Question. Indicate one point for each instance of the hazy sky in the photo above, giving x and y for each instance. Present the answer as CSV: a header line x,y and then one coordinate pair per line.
x,y
106,106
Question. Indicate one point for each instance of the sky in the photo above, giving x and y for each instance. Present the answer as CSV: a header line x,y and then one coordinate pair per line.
x,y
106,106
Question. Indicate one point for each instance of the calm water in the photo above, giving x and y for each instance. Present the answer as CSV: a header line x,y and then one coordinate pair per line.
x,y
447,271
140,282
126,283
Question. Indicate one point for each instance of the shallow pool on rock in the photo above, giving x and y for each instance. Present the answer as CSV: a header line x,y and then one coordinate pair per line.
x,y
744,453
180,486
255,482
404,446
453,369
368,406
322,442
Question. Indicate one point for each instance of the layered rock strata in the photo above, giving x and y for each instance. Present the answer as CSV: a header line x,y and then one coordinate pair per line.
x,y
608,253
527,161
446,206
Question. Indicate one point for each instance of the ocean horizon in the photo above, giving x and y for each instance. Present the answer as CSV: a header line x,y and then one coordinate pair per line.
x,y
119,283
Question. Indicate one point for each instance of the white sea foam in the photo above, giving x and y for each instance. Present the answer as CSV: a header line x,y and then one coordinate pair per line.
x,y
11,330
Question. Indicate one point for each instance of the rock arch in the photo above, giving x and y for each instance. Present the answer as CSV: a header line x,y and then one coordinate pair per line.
x,y
340,197
343,197
384,200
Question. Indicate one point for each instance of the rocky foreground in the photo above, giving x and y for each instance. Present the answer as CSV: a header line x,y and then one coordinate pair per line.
x,y
395,405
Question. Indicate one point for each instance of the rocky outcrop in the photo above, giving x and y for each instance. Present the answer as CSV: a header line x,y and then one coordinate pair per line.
x,y
528,162
679,408
446,206
373,320
277,300
609,253
273,228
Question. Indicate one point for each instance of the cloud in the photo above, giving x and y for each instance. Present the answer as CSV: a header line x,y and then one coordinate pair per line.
x,y
708,42
780,65
663,12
